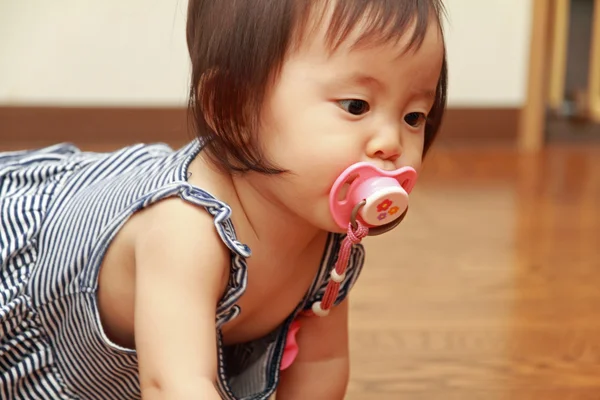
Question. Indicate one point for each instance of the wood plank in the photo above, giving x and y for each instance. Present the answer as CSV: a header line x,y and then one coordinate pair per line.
x,y
489,289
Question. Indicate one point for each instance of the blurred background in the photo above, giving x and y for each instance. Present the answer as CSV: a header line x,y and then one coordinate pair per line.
x,y
492,288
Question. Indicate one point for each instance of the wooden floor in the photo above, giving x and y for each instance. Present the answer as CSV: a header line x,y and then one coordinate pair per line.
x,y
491,287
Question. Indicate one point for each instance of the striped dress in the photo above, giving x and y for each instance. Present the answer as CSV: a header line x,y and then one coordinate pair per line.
x,y
60,207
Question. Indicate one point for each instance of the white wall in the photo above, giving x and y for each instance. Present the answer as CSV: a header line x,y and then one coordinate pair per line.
x,y
116,52
133,52
488,51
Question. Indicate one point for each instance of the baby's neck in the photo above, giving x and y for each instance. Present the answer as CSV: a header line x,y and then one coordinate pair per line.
x,y
271,222
258,220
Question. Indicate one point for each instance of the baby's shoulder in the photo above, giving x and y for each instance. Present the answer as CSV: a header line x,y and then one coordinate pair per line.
x,y
175,225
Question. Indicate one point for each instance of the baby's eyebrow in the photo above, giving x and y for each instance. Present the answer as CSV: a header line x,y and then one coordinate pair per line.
x,y
363,79
359,78
422,93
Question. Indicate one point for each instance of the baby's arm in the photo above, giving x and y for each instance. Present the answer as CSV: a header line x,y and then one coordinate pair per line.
x,y
181,271
322,368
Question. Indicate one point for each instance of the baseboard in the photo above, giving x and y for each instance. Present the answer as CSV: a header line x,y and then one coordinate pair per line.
x,y
27,127
480,125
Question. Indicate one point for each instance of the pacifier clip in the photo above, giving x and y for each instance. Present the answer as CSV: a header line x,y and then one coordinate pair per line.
x,y
338,273
366,201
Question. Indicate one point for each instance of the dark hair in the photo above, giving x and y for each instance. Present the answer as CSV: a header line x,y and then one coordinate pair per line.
x,y
237,48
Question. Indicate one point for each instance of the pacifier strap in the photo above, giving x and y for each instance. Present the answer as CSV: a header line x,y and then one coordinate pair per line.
x,y
338,273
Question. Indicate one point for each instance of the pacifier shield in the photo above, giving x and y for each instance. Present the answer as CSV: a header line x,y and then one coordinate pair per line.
x,y
384,194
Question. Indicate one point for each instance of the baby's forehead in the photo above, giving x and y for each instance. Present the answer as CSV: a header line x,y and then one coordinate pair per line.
x,y
390,68
371,54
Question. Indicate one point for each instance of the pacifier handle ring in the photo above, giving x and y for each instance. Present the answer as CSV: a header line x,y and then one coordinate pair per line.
x,y
354,213
377,230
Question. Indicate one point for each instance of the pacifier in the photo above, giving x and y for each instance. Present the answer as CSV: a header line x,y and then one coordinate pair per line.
x,y
378,198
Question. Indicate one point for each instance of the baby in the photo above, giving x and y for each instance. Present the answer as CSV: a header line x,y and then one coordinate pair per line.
x,y
222,269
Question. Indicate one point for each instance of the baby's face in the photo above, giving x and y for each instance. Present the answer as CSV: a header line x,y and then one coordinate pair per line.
x,y
329,111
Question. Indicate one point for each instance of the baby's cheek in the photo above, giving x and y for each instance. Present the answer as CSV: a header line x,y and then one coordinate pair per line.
x,y
413,158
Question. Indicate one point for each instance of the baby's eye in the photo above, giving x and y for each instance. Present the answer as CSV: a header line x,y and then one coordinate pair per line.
x,y
355,106
414,119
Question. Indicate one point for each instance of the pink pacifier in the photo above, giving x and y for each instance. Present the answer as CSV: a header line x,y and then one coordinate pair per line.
x,y
378,198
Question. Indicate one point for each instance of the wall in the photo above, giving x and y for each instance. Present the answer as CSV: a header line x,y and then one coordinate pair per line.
x,y
488,51
84,52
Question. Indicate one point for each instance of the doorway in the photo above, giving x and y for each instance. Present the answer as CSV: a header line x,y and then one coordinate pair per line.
x,y
563,101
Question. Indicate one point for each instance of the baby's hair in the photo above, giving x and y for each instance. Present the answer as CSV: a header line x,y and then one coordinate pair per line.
x,y
237,48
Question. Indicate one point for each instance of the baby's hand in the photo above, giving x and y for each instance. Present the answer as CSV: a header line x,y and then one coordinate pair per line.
x,y
323,343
